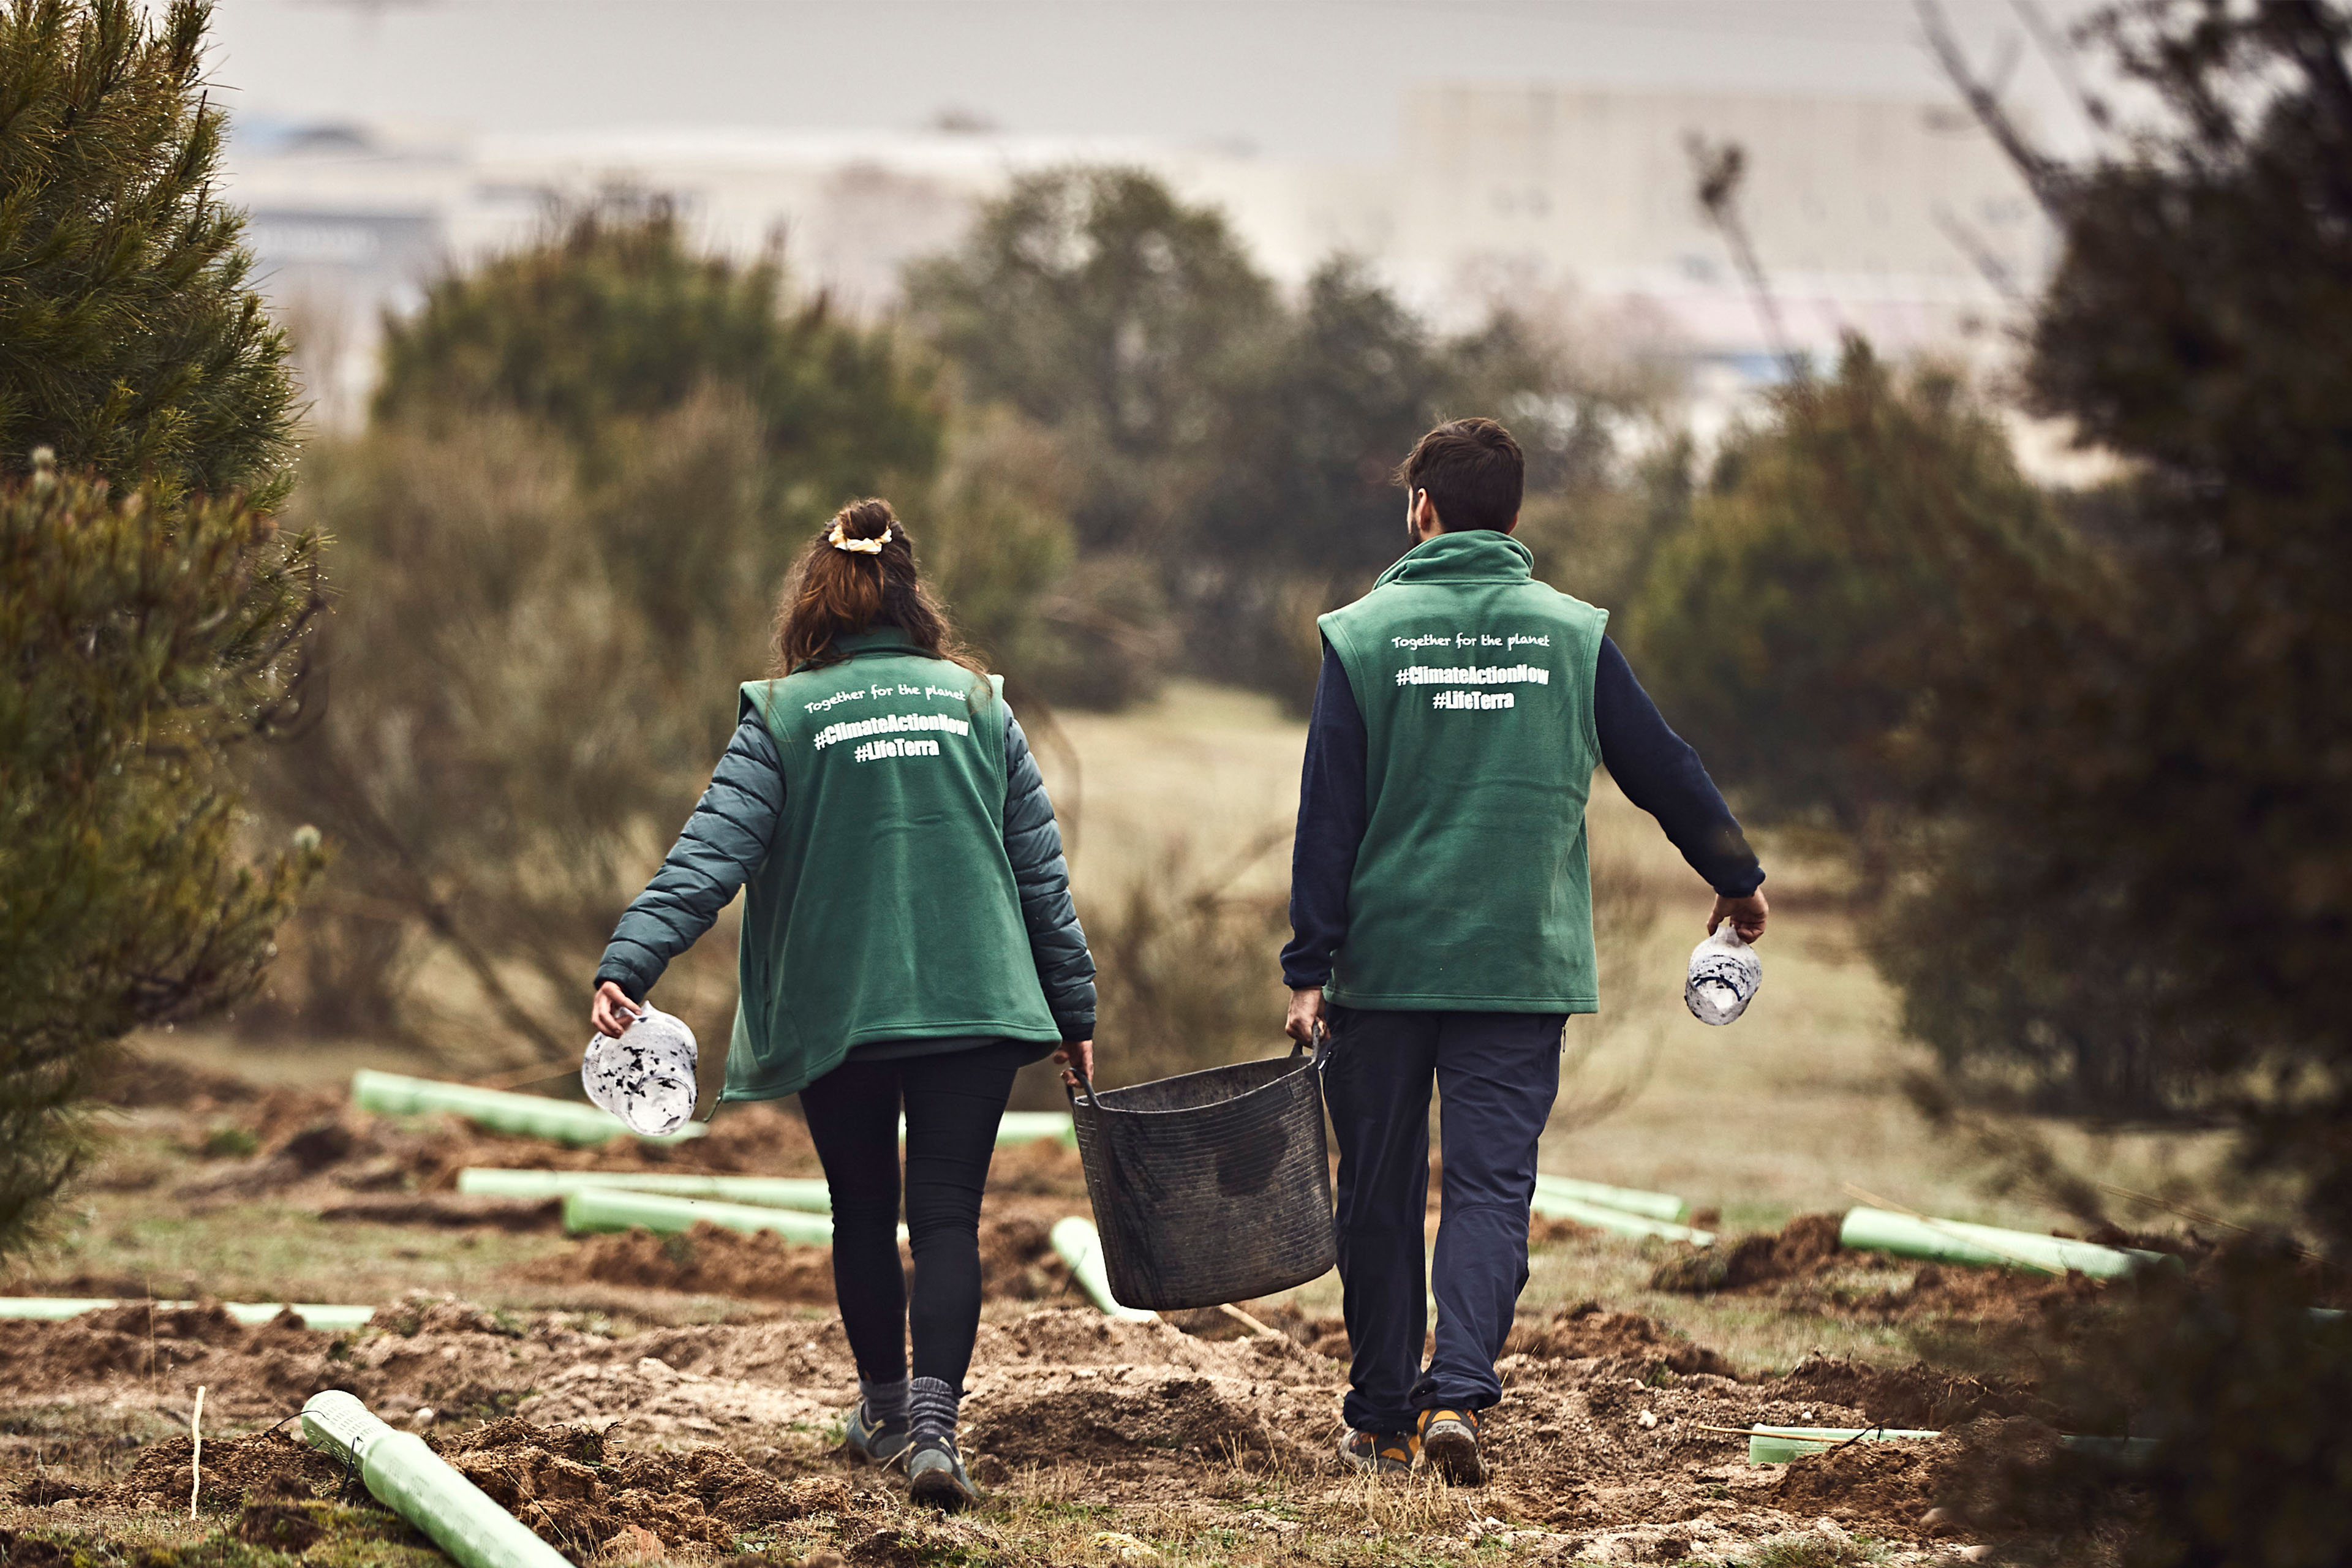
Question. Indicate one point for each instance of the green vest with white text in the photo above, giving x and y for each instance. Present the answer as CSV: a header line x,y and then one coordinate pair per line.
x,y
1471,890
887,908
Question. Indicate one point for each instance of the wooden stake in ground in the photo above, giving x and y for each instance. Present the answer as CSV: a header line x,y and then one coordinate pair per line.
x,y
1251,1324
196,1455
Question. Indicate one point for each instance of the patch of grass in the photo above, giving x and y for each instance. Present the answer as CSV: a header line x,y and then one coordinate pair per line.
x,y
264,1251
1809,1550
229,1143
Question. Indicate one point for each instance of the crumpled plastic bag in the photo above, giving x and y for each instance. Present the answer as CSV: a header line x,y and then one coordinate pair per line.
x,y
646,1076
1725,976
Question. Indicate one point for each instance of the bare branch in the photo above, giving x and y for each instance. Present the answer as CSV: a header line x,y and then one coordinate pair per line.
x,y
1989,265
1720,168
2041,172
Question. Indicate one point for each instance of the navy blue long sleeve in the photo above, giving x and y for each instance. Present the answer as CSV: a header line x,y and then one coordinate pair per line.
x,y
1656,768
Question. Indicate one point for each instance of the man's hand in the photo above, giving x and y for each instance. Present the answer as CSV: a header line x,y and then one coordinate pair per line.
x,y
1075,1056
1747,915
1306,1012
611,1012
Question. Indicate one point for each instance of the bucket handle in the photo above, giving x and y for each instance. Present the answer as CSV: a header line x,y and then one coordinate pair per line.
x,y
1085,1088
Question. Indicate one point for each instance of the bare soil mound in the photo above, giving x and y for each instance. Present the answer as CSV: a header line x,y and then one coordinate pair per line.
x,y
269,1464
706,1260
1868,1482
1589,1329
562,1483
1917,1397
1016,1260
1097,1417
1803,1247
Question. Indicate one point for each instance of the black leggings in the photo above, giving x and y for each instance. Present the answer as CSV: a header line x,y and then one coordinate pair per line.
x,y
953,1103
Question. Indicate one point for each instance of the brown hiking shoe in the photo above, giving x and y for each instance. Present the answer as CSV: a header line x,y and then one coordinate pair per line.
x,y
1378,1453
1449,1442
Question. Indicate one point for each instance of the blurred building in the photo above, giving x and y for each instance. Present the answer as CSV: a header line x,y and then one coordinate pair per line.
x,y
1901,220
1897,219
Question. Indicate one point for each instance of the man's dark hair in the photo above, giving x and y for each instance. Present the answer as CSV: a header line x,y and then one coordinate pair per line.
x,y
1473,471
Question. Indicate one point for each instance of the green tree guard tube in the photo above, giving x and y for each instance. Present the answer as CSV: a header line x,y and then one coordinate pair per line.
x,y
409,1479
1616,1221
535,1116
1025,1127
1080,1246
1985,1246
320,1315
1650,1205
611,1208
1778,1445
805,1193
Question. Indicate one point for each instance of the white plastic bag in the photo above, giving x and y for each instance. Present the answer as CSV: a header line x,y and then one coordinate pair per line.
x,y
646,1076
1725,976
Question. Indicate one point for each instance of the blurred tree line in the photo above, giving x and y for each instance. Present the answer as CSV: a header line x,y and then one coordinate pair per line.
x,y
558,541
2087,747
2090,751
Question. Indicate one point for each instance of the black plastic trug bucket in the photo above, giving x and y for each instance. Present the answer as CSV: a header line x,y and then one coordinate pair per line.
x,y
1213,1186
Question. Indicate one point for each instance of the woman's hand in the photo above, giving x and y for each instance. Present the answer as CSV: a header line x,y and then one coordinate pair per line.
x,y
1075,1056
611,1012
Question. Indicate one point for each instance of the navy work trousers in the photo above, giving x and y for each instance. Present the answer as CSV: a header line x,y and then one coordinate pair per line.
x,y
1496,1076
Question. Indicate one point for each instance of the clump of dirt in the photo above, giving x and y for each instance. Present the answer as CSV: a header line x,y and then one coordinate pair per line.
x,y
1543,1232
451,1210
1917,1396
1087,1417
1589,1329
1045,1168
30,1552
560,1482
275,1463
707,1260
1017,1260
1886,1483
1807,1245
1979,1296
287,1527
1016,1263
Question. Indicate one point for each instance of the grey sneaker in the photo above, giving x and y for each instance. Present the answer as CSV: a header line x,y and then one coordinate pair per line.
x,y
1449,1444
1375,1453
935,1476
876,1442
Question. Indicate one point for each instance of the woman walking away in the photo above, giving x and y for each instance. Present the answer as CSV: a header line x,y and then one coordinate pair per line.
x,y
908,943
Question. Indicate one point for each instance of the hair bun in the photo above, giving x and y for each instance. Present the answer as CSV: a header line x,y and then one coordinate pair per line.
x,y
869,519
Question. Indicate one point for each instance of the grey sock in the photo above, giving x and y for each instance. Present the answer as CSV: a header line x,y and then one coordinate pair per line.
x,y
933,1407
886,1402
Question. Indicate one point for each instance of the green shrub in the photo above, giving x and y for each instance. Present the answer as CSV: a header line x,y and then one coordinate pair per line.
x,y
140,652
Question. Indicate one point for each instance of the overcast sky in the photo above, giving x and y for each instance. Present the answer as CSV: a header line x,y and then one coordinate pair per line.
x,y
1293,78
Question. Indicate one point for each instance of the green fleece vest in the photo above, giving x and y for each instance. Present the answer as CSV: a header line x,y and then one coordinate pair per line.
x,y
1471,891
886,908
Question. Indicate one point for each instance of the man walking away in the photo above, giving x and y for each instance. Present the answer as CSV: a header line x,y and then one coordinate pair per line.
x,y
1441,913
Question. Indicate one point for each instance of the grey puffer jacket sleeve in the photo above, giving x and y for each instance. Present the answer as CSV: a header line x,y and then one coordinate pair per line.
x,y
721,847
1033,841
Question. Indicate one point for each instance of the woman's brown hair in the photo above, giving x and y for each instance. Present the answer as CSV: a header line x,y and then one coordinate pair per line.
x,y
834,592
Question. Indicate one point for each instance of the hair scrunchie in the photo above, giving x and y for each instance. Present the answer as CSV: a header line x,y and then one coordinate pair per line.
x,y
839,539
